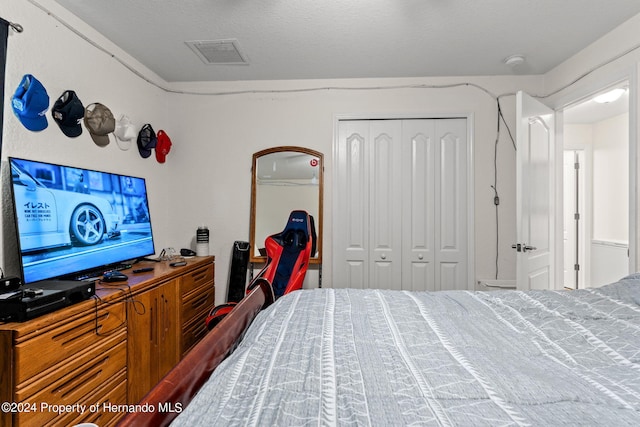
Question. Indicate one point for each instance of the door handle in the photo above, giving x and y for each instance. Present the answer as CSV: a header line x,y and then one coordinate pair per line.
x,y
519,247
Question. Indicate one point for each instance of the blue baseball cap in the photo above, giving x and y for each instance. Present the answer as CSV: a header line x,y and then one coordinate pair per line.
x,y
30,102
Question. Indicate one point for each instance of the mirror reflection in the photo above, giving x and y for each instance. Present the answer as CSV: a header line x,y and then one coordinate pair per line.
x,y
284,179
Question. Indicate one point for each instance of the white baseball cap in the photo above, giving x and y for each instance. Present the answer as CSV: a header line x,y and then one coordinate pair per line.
x,y
125,132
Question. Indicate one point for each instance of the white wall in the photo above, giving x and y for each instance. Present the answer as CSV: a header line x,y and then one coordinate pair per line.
x,y
578,136
236,126
609,255
206,179
611,179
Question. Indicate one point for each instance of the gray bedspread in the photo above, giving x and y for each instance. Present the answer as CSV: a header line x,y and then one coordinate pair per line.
x,y
393,358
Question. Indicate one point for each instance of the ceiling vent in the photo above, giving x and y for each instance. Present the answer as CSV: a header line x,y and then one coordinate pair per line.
x,y
218,51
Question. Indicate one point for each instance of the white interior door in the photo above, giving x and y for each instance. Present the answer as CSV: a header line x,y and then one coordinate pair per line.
x,y
535,199
570,230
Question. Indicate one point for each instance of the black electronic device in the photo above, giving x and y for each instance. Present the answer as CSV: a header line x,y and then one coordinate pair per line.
x,y
143,270
187,252
8,284
177,263
114,276
77,223
238,271
43,297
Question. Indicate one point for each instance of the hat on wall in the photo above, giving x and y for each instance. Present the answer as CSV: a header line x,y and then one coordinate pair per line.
x,y
125,132
99,121
163,146
146,140
30,102
68,112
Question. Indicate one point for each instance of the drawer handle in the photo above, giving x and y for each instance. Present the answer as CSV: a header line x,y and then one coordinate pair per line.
x,y
198,302
92,374
200,330
198,276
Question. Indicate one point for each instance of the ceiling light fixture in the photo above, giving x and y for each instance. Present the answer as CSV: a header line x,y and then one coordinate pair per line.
x,y
611,96
514,60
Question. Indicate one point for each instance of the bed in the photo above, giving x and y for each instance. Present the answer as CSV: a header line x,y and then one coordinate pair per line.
x,y
383,357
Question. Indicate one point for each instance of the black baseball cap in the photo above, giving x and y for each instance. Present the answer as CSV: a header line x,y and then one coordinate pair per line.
x,y
68,112
146,140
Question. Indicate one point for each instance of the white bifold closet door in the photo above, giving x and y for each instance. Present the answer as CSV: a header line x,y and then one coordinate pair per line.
x,y
401,204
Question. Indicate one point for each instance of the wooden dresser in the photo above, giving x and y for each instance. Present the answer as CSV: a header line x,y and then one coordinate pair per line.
x,y
88,361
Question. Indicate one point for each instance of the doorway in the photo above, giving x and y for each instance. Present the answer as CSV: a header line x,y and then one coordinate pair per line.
x,y
596,189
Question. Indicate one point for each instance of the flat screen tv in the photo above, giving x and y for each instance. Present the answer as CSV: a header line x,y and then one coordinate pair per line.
x,y
72,222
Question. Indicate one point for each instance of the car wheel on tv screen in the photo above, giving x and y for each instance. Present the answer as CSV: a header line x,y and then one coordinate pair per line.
x,y
87,225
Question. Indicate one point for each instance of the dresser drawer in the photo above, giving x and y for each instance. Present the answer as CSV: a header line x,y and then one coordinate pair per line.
x,y
87,373
67,340
192,333
198,302
107,400
196,279
112,393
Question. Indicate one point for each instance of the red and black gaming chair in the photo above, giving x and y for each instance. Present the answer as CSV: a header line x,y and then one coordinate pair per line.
x,y
288,254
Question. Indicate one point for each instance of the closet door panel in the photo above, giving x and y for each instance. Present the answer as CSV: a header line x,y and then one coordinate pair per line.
x,y
386,205
451,276
351,261
418,140
451,217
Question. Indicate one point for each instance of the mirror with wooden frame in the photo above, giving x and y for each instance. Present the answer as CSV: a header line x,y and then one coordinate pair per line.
x,y
284,179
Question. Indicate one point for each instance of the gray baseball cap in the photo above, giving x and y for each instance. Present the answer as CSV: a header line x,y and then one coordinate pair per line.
x,y
100,122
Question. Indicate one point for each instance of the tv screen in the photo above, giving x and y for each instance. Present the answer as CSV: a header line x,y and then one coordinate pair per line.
x,y
71,220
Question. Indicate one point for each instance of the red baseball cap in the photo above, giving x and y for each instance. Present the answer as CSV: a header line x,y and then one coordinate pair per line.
x,y
163,146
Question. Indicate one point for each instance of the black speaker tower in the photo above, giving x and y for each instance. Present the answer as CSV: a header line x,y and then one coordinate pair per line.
x,y
238,271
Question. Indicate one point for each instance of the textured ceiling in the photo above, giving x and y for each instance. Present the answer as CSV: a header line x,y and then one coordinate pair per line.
x,y
319,39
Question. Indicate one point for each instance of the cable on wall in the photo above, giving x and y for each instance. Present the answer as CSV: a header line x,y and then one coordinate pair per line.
x,y
494,186
496,196
591,71
513,140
